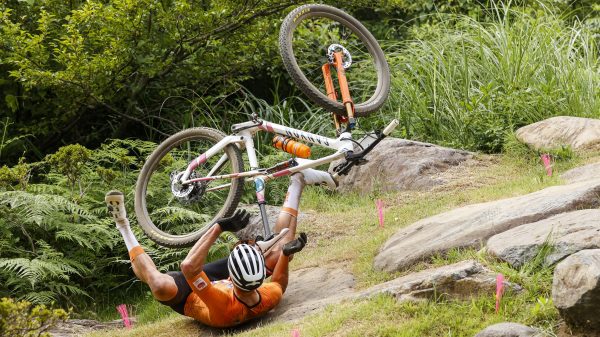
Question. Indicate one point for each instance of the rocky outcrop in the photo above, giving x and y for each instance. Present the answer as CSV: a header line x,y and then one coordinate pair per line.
x,y
313,289
576,289
582,173
472,225
566,233
576,132
507,329
461,280
398,164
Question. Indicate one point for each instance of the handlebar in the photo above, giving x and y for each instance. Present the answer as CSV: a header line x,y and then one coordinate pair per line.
x,y
357,158
390,127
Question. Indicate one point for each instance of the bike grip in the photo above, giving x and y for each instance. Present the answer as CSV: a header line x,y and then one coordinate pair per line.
x,y
388,129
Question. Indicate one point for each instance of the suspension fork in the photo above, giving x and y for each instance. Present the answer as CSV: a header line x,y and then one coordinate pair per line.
x,y
344,89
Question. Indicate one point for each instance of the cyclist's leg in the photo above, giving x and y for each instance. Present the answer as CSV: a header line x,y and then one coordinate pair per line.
x,y
163,286
289,211
287,218
217,270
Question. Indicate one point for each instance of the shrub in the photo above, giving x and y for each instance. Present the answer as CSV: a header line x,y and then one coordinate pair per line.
x,y
21,319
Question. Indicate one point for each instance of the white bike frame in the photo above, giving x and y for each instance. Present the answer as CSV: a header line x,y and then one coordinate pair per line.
x,y
243,134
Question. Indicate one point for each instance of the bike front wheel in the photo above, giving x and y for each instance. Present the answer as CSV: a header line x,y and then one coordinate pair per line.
x,y
177,215
306,35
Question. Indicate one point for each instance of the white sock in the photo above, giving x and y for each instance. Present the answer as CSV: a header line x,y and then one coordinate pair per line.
x,y
128,236
294,192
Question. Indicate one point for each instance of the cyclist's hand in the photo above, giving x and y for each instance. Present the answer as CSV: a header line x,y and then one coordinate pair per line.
x,y
239,220
295,246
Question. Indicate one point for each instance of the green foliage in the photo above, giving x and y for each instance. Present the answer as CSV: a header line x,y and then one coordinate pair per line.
x,y
84,69
60,246
469,85
70,161
21,319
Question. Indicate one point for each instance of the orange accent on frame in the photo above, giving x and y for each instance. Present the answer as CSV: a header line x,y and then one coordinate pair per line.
x,y
135,252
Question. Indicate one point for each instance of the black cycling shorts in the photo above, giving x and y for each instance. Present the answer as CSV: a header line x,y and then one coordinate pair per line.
x,y
215,271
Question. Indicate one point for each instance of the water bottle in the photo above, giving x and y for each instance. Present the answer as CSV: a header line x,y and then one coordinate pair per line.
x,y
291,146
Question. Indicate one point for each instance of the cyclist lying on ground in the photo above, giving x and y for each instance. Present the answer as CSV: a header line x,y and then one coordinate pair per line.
x,y
202,291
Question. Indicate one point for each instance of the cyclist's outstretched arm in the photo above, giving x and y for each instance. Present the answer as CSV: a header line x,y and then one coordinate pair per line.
x,y
194,262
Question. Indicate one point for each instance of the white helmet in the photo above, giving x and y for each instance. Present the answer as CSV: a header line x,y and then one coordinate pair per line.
x,y
246,267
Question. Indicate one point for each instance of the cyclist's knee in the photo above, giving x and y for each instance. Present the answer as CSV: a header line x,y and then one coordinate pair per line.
x,y
163,287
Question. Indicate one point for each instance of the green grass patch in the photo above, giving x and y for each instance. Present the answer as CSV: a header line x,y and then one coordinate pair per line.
x,y
346,226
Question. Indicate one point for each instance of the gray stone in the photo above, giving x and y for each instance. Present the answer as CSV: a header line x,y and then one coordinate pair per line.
x,y
507,329
461,280
576,289
567,233
576,132
312,289
582,173
398,164
472,225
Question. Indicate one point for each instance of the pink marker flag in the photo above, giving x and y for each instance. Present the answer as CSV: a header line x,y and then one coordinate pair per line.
x,y
499,290
547,165
122,309
379,204
295,333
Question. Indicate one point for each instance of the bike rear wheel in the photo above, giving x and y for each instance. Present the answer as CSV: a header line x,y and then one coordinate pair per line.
x,y
304,38
175,215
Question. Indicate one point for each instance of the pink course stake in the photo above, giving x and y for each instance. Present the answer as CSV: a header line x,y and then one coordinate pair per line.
x,y
547,165
295,333
499,290
379,204
122,309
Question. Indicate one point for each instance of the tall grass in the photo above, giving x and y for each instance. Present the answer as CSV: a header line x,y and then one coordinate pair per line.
x,y
467,83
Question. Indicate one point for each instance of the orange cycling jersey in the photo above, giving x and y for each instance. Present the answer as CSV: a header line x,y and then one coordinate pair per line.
x,y
215,304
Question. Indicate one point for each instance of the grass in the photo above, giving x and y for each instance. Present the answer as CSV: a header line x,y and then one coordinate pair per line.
x,y
343,233
466,84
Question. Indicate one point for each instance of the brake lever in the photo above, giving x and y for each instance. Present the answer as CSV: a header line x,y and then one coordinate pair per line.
x,y
357,158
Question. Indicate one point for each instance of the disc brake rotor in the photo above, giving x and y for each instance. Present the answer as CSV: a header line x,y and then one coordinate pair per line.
x,y
186,192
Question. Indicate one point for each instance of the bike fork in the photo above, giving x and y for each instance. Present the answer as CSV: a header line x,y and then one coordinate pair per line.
x,y
259,184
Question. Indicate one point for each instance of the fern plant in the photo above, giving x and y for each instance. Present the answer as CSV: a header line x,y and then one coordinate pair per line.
x,y
57,243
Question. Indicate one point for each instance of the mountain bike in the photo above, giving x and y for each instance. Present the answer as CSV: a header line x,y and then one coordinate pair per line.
x,y
197,175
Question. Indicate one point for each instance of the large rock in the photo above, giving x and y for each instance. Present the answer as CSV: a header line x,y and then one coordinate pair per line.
x,y
398,164
461,280
576,289
567,233
582,173
576,132
312,289
472,225
507,329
